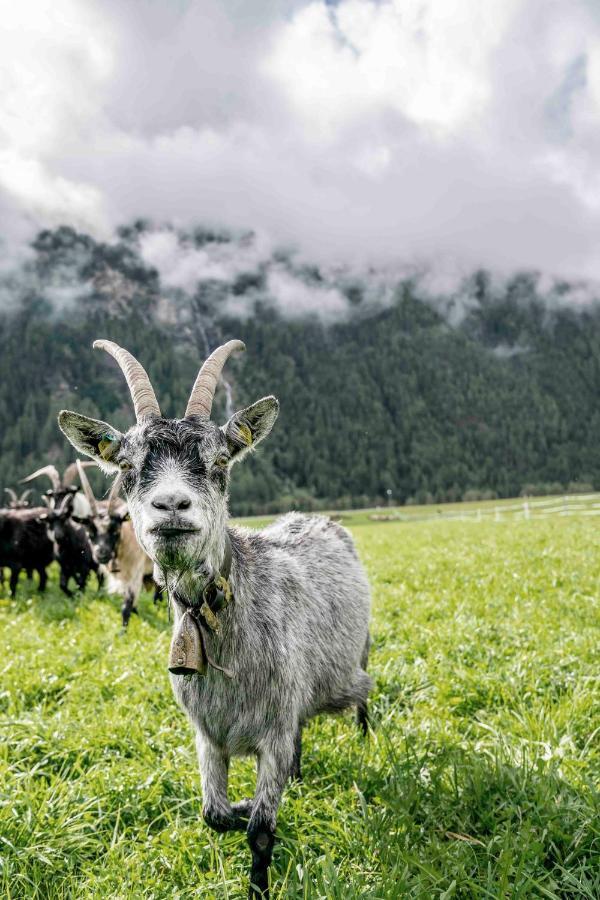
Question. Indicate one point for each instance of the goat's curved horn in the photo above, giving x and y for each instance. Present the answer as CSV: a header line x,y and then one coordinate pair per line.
x,y
203,392
73,469
25,495
87,488
50,471
12,495
144,399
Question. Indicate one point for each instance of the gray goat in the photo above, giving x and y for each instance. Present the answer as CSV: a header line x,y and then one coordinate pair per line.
x,y
276,620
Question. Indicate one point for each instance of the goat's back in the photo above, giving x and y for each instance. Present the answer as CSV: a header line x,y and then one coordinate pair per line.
x,y
307,605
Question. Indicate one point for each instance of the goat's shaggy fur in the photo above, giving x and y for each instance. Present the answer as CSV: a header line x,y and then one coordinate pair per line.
x,y
295,637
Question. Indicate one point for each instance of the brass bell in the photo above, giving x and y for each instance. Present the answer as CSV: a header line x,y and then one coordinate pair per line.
x,y
186,655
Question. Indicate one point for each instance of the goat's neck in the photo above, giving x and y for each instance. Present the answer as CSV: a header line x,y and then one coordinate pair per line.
x,y
188,585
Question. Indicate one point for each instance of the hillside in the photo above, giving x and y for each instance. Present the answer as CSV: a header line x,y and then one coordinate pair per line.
x,y
382,387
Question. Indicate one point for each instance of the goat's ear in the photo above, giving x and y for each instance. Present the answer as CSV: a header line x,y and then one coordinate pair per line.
x,y
247,427
92,437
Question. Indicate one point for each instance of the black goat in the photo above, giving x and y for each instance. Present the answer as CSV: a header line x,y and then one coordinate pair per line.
x,y
72,546
25,544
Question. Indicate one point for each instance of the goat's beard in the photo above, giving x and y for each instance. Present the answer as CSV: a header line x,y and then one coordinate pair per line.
x,y
183,562
179,556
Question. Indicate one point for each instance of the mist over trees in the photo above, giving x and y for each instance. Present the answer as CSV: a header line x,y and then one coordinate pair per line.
x,y
491,391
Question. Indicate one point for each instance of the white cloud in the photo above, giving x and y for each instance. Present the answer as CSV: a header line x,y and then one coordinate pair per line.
x,y
399,131
294,297
55,56
420,60
48,197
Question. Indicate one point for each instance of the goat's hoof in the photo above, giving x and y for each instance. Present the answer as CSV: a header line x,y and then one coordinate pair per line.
x,y
259,884
261,839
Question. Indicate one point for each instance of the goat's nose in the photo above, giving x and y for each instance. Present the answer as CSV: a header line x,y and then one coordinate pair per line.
x,y
171,502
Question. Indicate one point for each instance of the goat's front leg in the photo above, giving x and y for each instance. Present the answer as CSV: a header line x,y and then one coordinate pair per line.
x,y
274,766
82,580
127,607
64,583
296,774
43,579
14,580
214,774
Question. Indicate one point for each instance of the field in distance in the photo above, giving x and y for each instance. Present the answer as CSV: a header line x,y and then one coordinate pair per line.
x,y
480,779
519,507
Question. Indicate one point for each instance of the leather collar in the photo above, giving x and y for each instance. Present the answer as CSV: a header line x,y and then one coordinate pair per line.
x,y
216,593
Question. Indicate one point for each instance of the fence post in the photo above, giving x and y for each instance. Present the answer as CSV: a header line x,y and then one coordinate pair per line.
x,y
525,509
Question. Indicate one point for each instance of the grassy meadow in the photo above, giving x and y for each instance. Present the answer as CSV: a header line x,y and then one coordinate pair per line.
x,y
481,777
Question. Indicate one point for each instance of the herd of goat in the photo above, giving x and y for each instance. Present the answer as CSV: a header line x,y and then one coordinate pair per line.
x,y
271,626
81,533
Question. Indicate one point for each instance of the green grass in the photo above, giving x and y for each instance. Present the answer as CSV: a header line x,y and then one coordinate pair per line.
x,y
480,779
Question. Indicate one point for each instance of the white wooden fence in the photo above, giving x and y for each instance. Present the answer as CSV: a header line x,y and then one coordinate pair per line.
x,y
527,508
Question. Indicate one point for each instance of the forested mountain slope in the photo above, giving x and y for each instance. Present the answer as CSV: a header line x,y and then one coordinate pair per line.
x,y
380,389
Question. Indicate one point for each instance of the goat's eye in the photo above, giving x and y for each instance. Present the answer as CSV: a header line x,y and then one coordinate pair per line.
x,y
222,460
125,465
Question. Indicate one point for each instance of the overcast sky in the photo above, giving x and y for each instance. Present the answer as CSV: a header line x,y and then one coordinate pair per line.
x,y
465,132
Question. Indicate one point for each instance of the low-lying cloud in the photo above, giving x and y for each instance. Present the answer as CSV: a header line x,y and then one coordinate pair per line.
x,y
223,274
183,265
